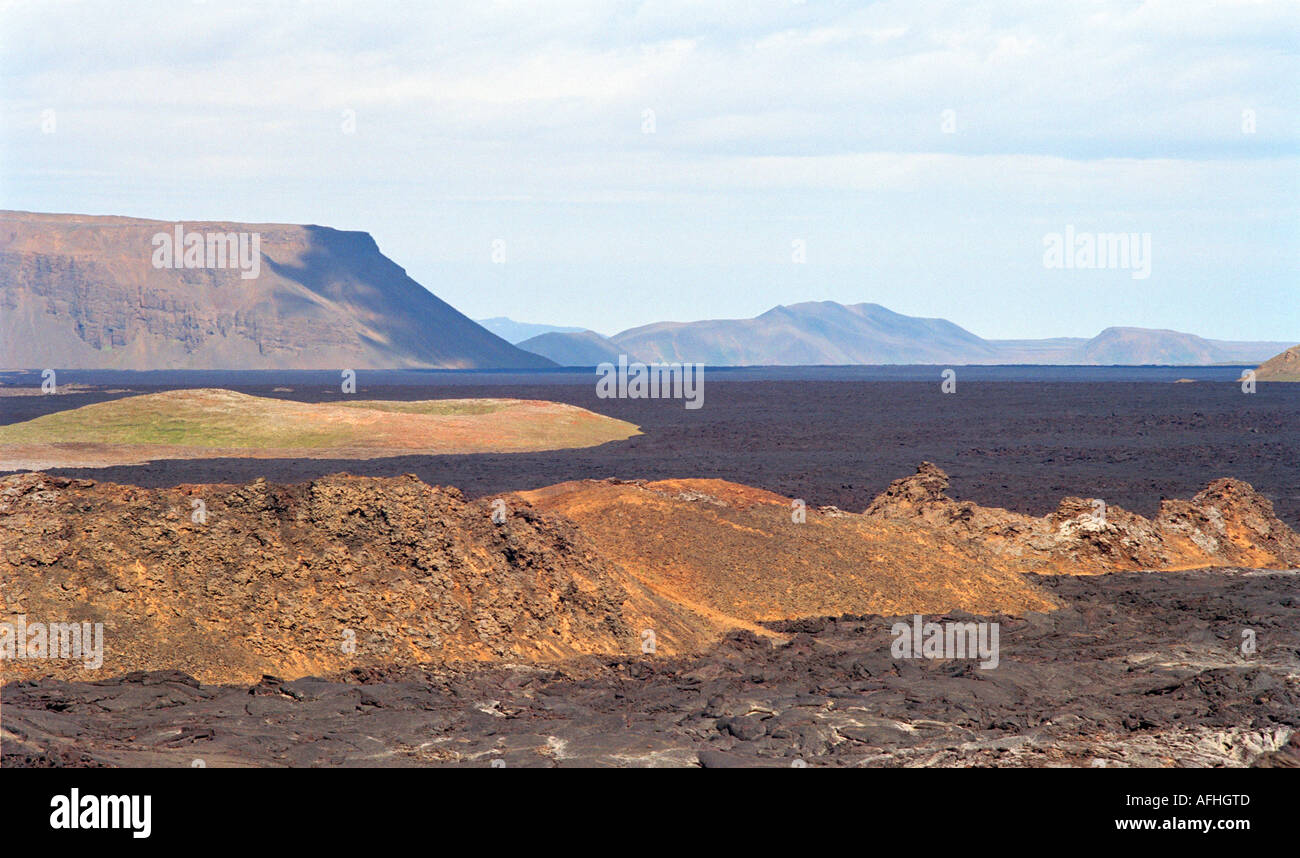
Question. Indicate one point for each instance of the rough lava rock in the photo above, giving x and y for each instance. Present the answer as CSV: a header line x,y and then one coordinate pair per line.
x,y
1226,524
1135,669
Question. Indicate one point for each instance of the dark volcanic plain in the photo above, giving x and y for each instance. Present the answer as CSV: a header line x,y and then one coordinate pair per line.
x,y
1136,669
1018,445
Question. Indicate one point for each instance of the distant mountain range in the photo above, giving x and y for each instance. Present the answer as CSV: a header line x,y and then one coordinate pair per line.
x,y
576,348
828,333
87,292
98,292
516,332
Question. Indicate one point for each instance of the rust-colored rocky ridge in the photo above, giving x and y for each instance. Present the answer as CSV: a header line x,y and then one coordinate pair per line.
x,y
229,582
312,578
747,553
1226,524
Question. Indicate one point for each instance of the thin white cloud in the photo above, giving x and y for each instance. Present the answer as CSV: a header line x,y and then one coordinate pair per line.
x,y
770,108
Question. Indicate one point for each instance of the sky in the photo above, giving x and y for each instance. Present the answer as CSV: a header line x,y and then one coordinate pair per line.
x,y
610,164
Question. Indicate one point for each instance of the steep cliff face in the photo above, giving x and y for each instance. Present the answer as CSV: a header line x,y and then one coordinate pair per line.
x,y
87,292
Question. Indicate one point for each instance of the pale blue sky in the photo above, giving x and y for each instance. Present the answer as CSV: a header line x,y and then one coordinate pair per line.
x,y
774,122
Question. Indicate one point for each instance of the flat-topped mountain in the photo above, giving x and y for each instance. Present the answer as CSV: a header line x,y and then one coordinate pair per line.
x,y
89,292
